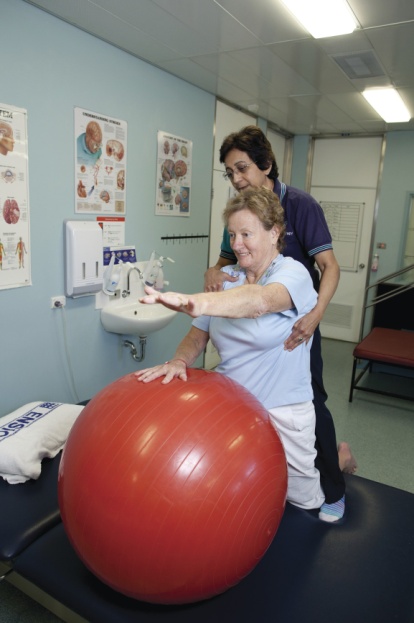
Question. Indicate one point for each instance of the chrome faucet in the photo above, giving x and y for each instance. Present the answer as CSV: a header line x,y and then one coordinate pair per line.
x,y
127,292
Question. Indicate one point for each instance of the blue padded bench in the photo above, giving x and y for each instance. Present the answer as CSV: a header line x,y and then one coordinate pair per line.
x,y
28,510
360,571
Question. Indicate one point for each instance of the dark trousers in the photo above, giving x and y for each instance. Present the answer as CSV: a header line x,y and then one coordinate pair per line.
x,y
332,479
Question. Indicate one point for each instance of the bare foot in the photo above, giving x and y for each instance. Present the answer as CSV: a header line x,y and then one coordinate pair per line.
x,y
347,461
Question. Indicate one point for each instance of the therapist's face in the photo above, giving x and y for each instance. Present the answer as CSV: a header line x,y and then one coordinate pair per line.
x,y
243,173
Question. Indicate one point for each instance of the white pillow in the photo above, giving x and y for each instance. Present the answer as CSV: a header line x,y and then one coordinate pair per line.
x,y
31,433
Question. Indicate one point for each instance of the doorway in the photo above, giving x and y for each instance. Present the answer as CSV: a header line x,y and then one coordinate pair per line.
x,y
345,181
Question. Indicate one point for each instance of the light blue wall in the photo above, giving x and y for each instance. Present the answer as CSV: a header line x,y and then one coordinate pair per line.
x,y
51,68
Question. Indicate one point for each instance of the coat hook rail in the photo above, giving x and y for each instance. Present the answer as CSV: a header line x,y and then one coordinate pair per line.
x,y
184,237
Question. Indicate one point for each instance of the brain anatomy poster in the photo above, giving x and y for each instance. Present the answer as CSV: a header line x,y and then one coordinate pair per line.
x,y
15,260
100,163
173,190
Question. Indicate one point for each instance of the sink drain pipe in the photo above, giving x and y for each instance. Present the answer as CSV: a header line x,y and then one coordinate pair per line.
x,y
133,349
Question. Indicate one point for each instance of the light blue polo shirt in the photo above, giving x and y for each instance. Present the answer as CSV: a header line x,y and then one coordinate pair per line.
x,y
251,349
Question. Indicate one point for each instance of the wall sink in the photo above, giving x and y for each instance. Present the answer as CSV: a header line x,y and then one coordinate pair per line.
x,y
134,318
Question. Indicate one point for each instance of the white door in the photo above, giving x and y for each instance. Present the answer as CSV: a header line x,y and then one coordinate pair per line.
x,y
345,176
228,120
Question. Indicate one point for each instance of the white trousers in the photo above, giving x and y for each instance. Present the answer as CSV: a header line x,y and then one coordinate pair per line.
x,y
296,427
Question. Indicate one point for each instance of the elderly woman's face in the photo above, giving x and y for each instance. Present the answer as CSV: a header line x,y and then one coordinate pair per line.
x,y
251,243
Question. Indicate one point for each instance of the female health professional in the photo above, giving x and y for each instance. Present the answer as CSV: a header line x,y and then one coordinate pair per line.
x,y
250,161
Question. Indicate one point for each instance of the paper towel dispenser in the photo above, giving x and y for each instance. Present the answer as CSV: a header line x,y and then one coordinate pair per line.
x,y
84,258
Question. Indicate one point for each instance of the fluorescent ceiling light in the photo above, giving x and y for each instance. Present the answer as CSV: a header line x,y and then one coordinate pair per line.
x,y
323,18
388,104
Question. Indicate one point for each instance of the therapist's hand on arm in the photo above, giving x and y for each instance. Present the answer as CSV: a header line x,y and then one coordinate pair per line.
x,y
304,328
187,352
214,277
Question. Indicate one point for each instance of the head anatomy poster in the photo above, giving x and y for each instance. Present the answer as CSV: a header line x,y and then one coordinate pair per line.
x,y
100,163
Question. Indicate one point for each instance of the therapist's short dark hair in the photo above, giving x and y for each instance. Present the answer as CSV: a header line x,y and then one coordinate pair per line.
x,y
253,142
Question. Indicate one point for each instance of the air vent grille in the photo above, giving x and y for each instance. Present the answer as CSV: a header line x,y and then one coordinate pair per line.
x,y
359,65
338,315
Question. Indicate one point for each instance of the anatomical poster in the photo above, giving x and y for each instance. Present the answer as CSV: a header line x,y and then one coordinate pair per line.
x,y
100,163
15,258
173,175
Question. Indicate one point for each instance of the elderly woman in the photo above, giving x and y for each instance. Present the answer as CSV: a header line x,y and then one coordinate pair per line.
x,y
248,323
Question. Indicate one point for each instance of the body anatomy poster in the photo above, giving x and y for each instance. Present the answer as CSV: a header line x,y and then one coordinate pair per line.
x,y
100,163
15,264
173,191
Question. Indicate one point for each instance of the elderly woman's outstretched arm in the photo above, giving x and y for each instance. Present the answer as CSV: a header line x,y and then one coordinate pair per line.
x,y
246,301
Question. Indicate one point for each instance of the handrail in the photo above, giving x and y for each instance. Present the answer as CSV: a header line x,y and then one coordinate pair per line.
x,y
390,295
385,296
397,273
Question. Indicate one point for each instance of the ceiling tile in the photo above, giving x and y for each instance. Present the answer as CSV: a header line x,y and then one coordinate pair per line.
x,y
307,60
273,70
210,21
345,44
380,12
271,23
393,45
155,22
230,92
191,72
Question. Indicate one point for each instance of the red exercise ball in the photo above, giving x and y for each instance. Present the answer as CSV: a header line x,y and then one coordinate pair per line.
x,y
172,493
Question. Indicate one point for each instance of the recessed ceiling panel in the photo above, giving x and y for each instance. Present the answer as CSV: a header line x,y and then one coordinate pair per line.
x,y
208,19
273,70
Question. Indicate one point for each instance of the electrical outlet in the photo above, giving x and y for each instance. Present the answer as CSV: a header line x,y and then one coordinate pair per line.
x,y
57,301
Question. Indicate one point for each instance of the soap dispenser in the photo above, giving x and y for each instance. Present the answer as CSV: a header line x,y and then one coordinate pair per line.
x,y
153,273
111,276
160,282
151,270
